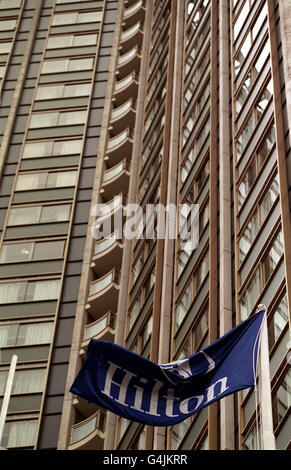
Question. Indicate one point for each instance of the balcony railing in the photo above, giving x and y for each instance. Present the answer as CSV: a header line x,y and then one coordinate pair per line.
x,y
128,62
123,116
119,146
96,287
131,36
133,13
103,328
125,89
108,254
103,294
89,434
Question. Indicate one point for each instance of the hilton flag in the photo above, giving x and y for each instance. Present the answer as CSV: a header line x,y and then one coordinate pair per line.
x,y
140,390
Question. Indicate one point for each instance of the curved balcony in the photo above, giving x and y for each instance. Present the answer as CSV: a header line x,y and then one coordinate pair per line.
x,y
115,180
133,12
128,62
119,147
89,434
123,116
103,329
103,294
131,36
109,214
108,254
125,88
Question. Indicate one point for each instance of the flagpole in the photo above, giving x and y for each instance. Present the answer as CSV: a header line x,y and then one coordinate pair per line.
x,y
268,438
7,394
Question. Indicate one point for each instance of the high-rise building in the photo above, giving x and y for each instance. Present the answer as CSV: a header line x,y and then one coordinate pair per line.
x,y
110,103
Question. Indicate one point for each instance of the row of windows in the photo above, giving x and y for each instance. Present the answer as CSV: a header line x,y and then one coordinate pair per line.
x,y
254,118
257,218
32,251
38,214
257,161
191,289
29,291
8,24
16,334
195,149
76,18
141,298
261,275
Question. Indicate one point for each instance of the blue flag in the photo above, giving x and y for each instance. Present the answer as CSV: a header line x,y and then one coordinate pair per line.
x,y
140,390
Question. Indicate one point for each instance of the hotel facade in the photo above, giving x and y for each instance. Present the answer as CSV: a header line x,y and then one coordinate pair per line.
x,y
110,103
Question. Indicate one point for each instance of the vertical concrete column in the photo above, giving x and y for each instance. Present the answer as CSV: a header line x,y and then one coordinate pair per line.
x,y
131,199
169,248
225,286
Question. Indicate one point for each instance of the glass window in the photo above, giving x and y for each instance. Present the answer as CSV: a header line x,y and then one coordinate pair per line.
x,y
63,91
200,330
19,433
28,381
42,290
272,258
36,333
282,398
16,252
183,305
8,334
67,65
249,298
278,321
7,25
12,292
52,148
43,180
13,252
24,215
29,333
75,18
64,118
256,164
35,214
55,213
5,47
48,250
8,4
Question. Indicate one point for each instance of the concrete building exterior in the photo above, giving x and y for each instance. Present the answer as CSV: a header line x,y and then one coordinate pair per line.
x,y
110,103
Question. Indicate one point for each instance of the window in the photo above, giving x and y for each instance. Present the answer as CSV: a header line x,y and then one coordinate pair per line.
x,y
63,91
25,381
272,257
258,217
13,334
8,4
143,336
195,149
19,433
254,118
43,180
58,42
282,398
5,47
7,25
251,77
192,288
38,214
67,65
13,252
76,18
261,276
29,291
250,38
60,118
52,148
256,164
278,321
